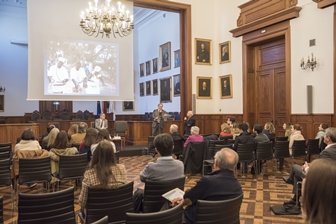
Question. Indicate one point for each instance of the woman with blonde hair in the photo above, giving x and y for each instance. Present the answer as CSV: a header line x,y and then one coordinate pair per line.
x,y
226,130
102,172
319,192
51,138
269,130
72,130
287,127
296,135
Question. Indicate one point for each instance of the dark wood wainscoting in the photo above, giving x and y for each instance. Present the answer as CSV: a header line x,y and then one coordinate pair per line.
x,y
310,123
129,117
210,123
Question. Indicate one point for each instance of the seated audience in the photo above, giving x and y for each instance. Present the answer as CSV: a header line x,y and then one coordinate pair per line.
x,y
261,137
219,185
296,135
51,138
60,147
299,172
244,137
78,137
319,192
45,136
320,133
174,132
226,130
101,122
89,139
28,141
248,126
230,121
102,172
269,130
102,135
165,168
288,129
194,137
72,130
235,130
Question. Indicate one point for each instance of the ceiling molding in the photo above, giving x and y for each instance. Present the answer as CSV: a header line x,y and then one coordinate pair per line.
x,y
144,16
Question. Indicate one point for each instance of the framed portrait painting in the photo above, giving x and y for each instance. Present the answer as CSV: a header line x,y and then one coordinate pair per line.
x,y
203,51
155,87
155,65
164,57
226,86
128,105
165,90
148,88
142,89
204,87
148,68
177,58
2,103
225,52
142,69
177,85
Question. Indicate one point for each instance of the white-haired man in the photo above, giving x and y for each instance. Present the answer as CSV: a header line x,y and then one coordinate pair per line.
x,y
194,137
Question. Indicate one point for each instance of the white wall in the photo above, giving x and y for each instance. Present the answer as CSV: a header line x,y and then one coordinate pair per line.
x,y
317,24
14,61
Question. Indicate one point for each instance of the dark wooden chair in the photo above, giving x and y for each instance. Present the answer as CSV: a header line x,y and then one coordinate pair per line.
x,y
86,115
169,216
313,148
64,114
153,200
47,115
224,211
246,155
47,208
5,176
281,138
80,115
35,116
281,151
298,149
264,151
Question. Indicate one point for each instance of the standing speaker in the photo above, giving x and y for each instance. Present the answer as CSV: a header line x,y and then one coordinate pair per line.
x,y
194,103
310,99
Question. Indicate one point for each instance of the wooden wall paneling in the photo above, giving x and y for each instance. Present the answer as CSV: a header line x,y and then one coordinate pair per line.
x,y
129,117
3,134
210,123
10,132
324,3
49,105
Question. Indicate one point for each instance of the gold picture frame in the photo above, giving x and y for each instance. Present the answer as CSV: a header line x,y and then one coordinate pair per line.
x,y
203,51
225,86
225,52
165,90
128,106
2,103
204,87
177,85
155,86
165,57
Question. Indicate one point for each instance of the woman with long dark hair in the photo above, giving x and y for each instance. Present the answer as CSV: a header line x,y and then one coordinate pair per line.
x,y
102,172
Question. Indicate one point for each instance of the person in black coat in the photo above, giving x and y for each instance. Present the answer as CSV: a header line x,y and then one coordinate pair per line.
x,y
189,121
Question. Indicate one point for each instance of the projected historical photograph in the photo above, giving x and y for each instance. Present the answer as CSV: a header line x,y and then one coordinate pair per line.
x,y
81,68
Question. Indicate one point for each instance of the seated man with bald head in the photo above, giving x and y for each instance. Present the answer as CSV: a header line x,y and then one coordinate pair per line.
x,y
221,184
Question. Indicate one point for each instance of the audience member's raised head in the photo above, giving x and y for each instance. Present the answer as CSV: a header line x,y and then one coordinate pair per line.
x,y
243,126
90,137
61,141
102,135
231,120
323,127
103,159
226,128
28,134
270,127
73,130
82,127
330,136
226,158
194,130
52,137
173,128
296,127
286,126
319,192
258,128
50,127
164,144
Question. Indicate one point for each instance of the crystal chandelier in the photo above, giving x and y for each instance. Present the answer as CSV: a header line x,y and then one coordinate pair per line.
x,y
106,19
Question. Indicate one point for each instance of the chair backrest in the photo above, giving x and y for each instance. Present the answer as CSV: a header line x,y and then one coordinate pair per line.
x,y
80,115
281,138
225,138
112,202
75,145
169,216
35,115
34,170
5,144
71,167
64,114
5,174
47,115
4,154
246,152
120,127
102,220
193,157
281,149
299,148
153,200
323,144
313,147
6,150
86,114
212,146
264,151
1,209
178,146
224,211
47,207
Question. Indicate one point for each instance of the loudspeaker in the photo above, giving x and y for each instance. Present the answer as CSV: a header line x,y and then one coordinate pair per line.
x,y
194,103
310,99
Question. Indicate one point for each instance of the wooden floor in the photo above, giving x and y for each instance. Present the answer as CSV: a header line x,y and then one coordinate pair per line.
x,y
259,194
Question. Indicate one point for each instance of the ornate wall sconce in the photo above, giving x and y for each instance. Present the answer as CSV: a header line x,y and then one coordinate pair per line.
x,y
311,64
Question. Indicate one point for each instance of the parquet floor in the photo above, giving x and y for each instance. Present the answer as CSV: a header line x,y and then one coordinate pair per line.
x,y
259,194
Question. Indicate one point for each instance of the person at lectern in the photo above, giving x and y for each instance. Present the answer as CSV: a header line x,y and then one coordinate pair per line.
x,y
158,120
58,76
101,122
